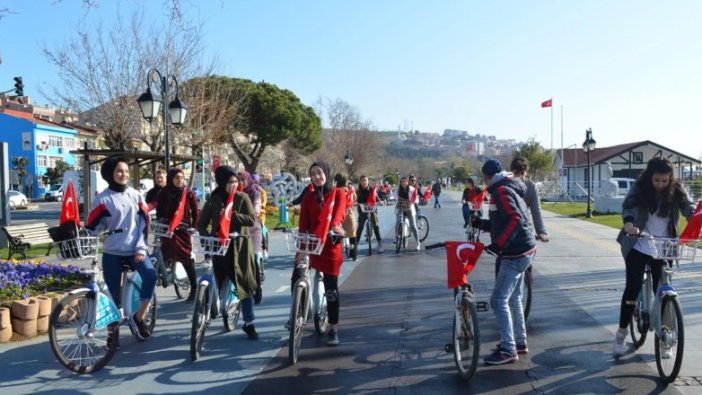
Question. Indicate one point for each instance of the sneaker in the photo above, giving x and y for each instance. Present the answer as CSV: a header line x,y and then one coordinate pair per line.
x,y
380,247
619,346
141,330
419,246
250,331
522,349
666,352
501,357
333,339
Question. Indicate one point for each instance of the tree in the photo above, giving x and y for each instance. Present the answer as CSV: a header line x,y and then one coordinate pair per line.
x,y
55,174
540,160
269,116
20,164
103,73
461,173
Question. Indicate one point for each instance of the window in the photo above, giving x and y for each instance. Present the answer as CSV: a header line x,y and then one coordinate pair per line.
x,y
637,157
41,160
55,141
69,143
53,160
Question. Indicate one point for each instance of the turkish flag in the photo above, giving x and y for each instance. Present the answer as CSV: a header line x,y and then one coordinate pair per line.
x,y
694,225
479,198
413,199
427,193
69,207
547,103
372,195
325,216
226,218
461,258
178,216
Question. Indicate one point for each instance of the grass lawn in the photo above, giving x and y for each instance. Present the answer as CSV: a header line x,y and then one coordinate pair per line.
x,y
577,210
38,251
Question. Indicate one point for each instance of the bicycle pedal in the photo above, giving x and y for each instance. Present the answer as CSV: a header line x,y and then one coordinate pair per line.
x,y
481,306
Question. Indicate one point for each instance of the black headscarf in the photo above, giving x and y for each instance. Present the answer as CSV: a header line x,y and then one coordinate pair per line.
x,y
107,172
329,184
222,176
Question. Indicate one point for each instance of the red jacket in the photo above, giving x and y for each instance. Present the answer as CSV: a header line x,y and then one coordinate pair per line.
x,y
331,258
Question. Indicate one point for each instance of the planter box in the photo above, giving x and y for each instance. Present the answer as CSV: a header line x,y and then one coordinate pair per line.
x,y
43,324
5,325
25,327
56,299
44,306
26,309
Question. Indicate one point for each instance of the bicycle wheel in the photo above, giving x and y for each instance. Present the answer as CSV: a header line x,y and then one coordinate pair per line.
x,y
670,345
638,327
201,319
422,227
151,314
466,339
233,310
321,315
398,238
527,288
74,345
297,323
368,236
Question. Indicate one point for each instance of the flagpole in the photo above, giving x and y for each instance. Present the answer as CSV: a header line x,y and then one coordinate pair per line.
x,y
561,127
551,125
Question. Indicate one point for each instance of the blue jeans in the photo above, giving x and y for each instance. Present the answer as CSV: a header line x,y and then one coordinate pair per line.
x,y
247,309
506,301
112,267
436,201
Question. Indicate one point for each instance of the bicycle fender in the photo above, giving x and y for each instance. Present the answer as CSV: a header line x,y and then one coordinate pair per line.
x,y
79,290
206,278
666,290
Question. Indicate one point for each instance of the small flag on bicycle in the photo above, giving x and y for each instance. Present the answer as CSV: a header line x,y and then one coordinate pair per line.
x,y
694,225
461,258
226,218
69,207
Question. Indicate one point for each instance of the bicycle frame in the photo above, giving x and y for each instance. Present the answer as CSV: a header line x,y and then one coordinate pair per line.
x,y
648,297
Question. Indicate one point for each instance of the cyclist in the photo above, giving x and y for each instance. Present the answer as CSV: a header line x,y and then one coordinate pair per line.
x,y
364,193
349,224
121,207
262,216
238,263
653,205
414,183
513,241
469,193
179,247
407,193
318,213
248,186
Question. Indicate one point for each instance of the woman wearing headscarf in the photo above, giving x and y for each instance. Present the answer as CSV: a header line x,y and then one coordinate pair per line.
x,y
179,247
238,263
349,224
121,207
330,260
249,186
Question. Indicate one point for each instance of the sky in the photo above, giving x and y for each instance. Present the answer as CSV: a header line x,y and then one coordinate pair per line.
x,y
631,69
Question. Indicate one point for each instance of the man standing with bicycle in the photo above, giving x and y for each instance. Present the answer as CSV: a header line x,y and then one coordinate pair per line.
x,y
513,242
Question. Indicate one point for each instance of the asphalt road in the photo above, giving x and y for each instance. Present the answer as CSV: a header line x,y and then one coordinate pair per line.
x,y
395,319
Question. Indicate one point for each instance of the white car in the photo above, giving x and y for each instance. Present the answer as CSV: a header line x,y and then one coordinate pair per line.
x,y
16,199
54,193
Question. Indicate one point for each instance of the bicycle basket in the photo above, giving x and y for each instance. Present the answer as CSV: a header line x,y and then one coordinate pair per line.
x,y
304,242
403,205
367,208
159,229
672,248
81,247
212,245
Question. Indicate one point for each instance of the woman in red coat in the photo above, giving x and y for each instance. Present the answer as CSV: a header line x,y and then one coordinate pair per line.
x,y
315,212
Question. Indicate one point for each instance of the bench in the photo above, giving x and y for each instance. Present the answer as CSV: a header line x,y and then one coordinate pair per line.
x,y
21,237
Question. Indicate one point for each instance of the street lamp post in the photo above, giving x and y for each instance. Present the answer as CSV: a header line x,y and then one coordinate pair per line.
x,y
150,106
349,161
588,146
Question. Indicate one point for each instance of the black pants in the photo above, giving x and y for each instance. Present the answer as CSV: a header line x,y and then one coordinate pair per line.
x,y
362,218
635,266
331,288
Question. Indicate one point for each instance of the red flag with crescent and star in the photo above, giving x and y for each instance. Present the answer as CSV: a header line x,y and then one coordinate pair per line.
x,y
694,225
178,216
226,218
321,229
461,258
547,103
372,196
69,207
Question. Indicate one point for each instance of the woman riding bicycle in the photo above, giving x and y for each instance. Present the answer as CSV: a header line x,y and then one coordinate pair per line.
x,y
653,205
349,224
122,207
313,213
364,193
249,186
469,193
238,263
179,247
407,193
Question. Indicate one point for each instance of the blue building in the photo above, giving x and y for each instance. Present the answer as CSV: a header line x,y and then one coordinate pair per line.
x,y
43,143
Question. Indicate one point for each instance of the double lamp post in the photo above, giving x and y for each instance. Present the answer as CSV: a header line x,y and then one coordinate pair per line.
x,y
150,106
588,146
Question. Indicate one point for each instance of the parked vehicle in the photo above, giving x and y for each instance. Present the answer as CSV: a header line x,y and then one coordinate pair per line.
x,y
16,199
54,193
624,184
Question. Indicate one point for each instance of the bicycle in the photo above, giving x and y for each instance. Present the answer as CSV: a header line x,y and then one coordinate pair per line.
x,y
305,244
422,226
169,272
662,313
368,210
402,227
210,300
84,325
472,231
466,330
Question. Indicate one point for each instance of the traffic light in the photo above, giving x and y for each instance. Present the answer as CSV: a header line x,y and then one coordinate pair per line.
x,y
19,86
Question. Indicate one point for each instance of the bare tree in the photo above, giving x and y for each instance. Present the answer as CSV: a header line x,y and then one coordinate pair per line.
x,y
103,73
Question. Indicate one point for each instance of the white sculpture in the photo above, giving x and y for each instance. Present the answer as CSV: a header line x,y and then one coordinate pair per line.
x,y
609,187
